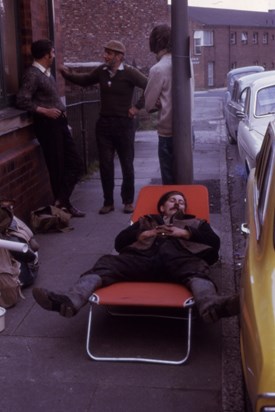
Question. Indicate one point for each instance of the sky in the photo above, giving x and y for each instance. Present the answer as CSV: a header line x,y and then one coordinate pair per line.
x,y
255,5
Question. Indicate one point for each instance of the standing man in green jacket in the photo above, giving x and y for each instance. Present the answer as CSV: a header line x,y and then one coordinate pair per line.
x,y
115,126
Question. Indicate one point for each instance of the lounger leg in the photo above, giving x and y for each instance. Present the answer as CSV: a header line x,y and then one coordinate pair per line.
x,y
136,359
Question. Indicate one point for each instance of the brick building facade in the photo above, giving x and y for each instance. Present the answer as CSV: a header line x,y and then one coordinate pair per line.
x,y
226,39
220,41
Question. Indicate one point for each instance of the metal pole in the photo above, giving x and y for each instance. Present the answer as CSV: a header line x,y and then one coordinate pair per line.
x,y
182,107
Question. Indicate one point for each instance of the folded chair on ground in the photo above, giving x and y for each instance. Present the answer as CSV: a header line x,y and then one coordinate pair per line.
x,y
152,295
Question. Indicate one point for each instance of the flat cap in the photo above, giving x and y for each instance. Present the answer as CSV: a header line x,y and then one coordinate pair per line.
x,y
115,45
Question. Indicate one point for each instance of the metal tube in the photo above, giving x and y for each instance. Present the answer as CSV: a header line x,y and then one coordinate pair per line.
x,y
15,246
181,94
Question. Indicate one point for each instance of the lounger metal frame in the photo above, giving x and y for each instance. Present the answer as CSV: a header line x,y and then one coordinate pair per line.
x,y
186,304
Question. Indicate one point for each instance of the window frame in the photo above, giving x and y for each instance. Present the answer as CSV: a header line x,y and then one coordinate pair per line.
x,y
233,38
244,37
7,98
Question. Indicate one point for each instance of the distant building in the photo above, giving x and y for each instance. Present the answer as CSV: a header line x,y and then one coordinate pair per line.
x,y
225,39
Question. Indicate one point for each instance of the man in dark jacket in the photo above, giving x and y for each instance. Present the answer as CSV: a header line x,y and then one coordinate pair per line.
x,y
169,247
115,126
39,96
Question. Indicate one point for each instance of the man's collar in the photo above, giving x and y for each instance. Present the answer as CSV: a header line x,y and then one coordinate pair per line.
x,y
162,53
39,66
120,67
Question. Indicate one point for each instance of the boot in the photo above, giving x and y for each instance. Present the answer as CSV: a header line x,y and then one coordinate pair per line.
x,y
68,303
210,305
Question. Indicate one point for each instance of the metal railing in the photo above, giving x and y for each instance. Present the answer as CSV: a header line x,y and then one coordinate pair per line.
x,y
82,111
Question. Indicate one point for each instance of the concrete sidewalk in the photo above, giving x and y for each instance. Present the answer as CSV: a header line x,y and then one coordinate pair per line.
x,y
43,362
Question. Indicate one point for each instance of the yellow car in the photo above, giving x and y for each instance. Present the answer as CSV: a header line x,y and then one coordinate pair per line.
x,y
258,281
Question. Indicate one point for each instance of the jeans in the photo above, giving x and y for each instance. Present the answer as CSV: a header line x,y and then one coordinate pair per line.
x,y
166,160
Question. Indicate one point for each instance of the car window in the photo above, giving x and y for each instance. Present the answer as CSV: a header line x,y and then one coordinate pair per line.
x,y
247,100
242,97
265,161
235,92
265,101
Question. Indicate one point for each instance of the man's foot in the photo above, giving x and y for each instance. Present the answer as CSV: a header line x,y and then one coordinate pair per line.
x,y
54,302
106,209
75,212
223,307
230,307
128,208
70,209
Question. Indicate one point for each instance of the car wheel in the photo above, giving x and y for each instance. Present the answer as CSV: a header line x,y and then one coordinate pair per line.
x,y
229,137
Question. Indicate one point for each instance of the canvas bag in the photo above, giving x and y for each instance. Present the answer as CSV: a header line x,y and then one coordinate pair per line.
x,y
9,268
10,291
49,219
28,270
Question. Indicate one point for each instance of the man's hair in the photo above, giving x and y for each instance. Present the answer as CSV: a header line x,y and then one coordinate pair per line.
x,y
166,196
41,47
160,38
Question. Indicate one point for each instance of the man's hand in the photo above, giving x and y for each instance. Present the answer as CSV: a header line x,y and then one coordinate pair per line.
x,y
52,112
63,69
132,112
165,230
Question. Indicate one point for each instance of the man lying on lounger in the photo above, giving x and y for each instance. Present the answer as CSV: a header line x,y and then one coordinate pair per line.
x,y
169,247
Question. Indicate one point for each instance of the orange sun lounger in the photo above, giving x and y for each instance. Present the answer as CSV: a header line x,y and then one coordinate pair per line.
x,y
152,295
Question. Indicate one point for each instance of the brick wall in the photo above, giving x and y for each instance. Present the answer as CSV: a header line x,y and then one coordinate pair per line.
x,y
89,24
23,172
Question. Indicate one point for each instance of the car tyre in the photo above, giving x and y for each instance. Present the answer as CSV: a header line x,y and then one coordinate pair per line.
x,y
231,139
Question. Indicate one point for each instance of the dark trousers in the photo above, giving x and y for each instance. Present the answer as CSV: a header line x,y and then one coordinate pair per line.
x,y
166,160
64,165
116,135
165,261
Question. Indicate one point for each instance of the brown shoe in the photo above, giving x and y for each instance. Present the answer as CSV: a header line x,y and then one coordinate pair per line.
x,y
106,209
231,307
54,302
128,208
75,212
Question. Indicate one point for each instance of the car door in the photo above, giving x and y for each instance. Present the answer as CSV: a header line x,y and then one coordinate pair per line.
x,y
244,128
257,280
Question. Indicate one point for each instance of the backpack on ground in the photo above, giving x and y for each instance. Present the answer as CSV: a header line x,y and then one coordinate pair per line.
x,y
17,269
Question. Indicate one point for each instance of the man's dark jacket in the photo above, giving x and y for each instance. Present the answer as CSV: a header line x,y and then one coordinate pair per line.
x,y
204,242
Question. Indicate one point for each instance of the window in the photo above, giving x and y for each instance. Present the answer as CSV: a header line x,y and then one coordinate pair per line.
x,y
197,46
210,74
244,37
202,38
265,38
263,174
233,38
265,101
255,38
242,97
8,51
208,38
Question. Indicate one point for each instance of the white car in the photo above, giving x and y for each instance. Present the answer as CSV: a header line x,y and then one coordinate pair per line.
x,y
235,74
235,104
259,110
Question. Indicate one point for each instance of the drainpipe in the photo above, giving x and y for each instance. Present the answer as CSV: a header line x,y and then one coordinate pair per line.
x,y
181,94
51,14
